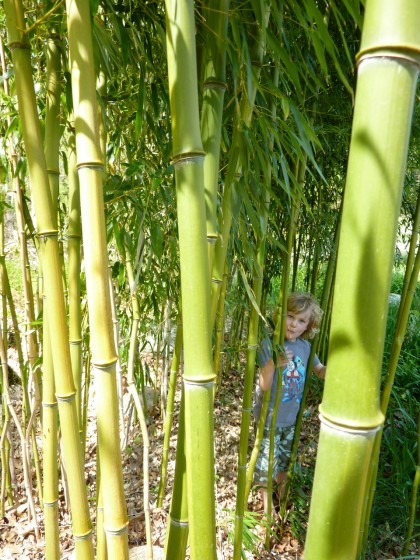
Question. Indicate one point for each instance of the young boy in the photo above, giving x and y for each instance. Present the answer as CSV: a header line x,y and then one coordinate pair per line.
x,y
303,319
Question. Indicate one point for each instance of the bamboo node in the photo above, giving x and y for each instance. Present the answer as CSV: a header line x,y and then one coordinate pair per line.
x,y
116,532
84,537
90,165
53,172
366,432
179,523
47,233
106,367
66,398
252,346
50,504
216,281
205,380
187,157
211,238
391,55
49,404
213,83
18,45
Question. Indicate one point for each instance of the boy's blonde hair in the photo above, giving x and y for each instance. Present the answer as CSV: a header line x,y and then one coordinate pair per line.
x,y
299,302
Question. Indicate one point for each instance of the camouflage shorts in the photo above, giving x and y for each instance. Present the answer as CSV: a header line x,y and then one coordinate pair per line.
x,y
283,441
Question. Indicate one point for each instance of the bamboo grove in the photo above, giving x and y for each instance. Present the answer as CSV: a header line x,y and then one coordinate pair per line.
x,y
170,171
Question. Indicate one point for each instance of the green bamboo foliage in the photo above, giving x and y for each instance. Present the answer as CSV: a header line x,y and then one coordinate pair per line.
x,y
104,358
47,233
198,374
350,411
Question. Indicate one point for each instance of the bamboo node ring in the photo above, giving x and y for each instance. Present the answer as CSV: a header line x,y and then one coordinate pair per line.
x,y
107,367
18,45
187,157
215,84
66,398
117,532
216,281
366,432
84,537
252,346
90,165
205,381
390,55
179,523
53,172
50,504
49,404
47,233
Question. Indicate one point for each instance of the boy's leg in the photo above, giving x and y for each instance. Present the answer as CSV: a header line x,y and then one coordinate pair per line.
x,y
261,470
283,449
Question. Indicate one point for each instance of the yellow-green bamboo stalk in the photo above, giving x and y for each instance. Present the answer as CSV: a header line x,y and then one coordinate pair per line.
x,y
176,358
50,451
397,341
90,167
178,526
29,415
350,412
198,374
215,13
220,330
253,335
82,528
49,401
243,117
74,236
22,238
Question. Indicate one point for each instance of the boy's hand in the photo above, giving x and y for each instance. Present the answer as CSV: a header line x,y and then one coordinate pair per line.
x,y
284,357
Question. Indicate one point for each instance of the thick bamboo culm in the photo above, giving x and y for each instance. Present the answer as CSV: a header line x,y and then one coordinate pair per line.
x,y
388,65
198,377
104,358
47,232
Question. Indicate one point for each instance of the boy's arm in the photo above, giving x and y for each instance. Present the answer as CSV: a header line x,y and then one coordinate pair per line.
x,y
267,370
266,375
320,370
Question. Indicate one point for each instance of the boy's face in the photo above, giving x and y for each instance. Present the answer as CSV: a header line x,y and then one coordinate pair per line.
x,y
296,324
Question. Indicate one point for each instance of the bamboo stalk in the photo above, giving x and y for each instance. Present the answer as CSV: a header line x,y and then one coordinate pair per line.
x,y
52,269
198,375
176,359
104,358
350,411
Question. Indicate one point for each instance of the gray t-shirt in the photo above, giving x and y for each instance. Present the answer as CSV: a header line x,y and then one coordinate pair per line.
x,y
293,382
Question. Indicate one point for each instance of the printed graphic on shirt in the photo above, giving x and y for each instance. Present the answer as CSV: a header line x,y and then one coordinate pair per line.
x,y
293,380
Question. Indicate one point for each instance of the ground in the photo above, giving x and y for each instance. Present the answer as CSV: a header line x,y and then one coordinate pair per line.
x,y
18,536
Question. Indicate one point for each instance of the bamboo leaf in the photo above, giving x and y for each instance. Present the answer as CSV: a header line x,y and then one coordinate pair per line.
x,y
140,106
251,294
